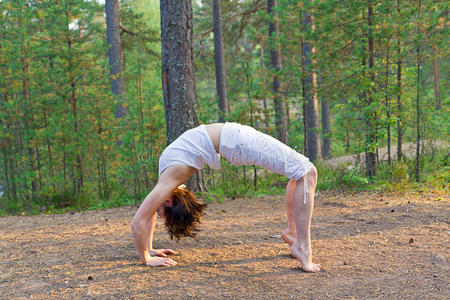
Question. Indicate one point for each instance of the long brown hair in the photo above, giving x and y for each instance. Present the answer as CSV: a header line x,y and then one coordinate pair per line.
x,y
185,214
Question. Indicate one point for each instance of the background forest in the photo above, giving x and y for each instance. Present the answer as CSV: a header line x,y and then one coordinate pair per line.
x,y
83,117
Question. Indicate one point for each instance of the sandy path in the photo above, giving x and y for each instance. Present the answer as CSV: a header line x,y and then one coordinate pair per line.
x,y
408,149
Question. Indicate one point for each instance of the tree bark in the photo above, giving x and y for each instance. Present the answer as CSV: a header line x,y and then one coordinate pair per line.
x,y
5,166
261,63
116,66
309,83
178,73
326,129
219,60
418,66
371,159
275,60
388,103
399,93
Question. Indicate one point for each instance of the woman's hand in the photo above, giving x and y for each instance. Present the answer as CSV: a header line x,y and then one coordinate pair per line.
x,y
156,261
161,252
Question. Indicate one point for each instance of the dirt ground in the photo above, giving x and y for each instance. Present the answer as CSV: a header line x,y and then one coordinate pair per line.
x,y
370,246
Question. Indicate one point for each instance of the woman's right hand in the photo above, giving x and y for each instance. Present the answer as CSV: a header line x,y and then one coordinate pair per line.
x,y
156,261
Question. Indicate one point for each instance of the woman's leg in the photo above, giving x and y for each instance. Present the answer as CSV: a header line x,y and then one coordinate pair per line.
x,y
301,249
289,235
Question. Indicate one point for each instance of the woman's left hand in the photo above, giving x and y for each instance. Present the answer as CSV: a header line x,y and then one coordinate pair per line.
x,y
161,252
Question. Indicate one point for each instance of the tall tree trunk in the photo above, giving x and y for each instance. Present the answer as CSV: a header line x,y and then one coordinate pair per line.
x,y
437,92
49,149
64,157
5,166
309,82
275,60
115,55
326,129
13,179
221,84
178,73
288,119
418,66
39,166
388,103
249,96
304,95
261,64
101,194
371,159
399,92
347,138
26,104
141,123
74,105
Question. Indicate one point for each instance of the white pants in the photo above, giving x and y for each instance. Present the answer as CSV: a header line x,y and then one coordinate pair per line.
x,y
244,145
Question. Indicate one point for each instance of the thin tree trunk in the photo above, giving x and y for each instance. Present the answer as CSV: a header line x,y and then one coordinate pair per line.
x,y
64,159
304,95
326,129
101,154
371,159
388,104
178,73
73,102
275,60
309,82
255,178
99,180
115,57
261,64
49,149
347,138
38,159
28,122
418,65
141,121
221,84
13,179
249,96
5,166
105,175
399,93
288,119
19,140
437,92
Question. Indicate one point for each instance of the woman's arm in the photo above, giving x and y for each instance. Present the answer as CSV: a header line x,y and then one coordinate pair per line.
x,y
168,181
143,215
150,230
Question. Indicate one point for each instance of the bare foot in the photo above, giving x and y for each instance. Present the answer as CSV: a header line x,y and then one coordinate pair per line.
x,y
305,258
288,237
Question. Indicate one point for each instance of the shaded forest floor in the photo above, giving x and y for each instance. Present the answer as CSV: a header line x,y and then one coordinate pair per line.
x,y
370,245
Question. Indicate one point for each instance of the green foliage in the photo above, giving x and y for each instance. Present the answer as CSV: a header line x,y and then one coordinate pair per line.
x,y
58,134
341,177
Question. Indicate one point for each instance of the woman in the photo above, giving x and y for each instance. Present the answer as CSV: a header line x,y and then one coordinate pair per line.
x,y
240,145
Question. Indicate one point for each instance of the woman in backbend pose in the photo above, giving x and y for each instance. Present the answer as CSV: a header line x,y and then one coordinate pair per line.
x,y
240,145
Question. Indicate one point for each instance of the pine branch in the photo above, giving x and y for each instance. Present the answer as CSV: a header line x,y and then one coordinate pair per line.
x,y
139,36
241,28
201,42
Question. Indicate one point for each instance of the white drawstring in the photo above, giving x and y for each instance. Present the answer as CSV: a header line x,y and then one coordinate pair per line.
x,y
305,187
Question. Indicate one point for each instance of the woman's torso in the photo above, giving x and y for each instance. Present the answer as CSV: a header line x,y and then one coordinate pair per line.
x,y
214,131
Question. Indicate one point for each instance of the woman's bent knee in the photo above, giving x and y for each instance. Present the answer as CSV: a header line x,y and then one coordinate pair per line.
x,y
313,172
